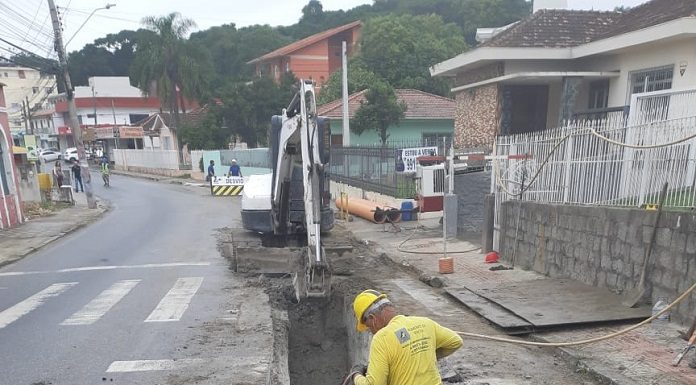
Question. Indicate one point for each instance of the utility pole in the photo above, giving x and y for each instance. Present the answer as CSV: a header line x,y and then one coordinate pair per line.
x,y
25,112
72,110
344,92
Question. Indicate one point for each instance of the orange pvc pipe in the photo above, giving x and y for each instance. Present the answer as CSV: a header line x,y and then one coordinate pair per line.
x,y
363,209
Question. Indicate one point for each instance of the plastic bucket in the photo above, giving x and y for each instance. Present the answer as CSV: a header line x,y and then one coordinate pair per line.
x,y
406,210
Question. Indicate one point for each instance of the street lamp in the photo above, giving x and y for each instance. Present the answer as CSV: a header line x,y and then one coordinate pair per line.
x,y
107,6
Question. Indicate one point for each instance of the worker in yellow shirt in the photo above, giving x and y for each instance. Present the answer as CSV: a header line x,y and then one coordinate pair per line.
x,y
404,349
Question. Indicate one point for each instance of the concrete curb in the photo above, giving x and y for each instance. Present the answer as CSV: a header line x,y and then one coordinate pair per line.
x,y
105,208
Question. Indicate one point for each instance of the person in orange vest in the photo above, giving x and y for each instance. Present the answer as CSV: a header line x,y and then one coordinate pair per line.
x,y
404,349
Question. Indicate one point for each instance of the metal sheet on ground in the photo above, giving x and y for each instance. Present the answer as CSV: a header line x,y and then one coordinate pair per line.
x,y
554,302
502,318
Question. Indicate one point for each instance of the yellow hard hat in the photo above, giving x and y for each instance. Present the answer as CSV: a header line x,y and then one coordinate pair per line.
x,y
362,302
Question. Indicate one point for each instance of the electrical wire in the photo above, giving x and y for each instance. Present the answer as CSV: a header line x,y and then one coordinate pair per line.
x,y
683,296
638,146
349,378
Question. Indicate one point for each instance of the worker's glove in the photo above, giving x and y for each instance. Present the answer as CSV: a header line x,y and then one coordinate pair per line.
x,y
361,369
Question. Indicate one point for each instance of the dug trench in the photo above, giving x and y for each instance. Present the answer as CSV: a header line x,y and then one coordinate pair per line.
x,y
315,341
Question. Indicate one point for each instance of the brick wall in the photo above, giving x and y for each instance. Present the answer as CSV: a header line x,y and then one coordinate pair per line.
x,y
604,247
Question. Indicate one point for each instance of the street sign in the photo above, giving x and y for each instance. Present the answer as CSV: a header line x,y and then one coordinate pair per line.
x,y
406,157
226,185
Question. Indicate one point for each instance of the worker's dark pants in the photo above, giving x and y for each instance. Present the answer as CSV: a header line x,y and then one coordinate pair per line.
x,y
78,179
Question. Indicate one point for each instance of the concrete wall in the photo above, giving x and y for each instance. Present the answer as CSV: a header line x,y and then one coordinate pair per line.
x,y
604,247
471,190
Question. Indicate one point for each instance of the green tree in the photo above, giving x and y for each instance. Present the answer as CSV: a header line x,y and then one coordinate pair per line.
x,y
359,79
400,49
168,61
107,56
248,107
230,49
210,133
380,111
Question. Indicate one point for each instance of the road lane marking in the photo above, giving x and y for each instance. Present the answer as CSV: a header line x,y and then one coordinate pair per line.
x,y
96,308
12,314
150,365
97,268
176,301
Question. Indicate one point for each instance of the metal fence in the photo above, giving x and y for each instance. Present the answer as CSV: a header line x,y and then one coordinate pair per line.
x,y
601,164
621,160
375,168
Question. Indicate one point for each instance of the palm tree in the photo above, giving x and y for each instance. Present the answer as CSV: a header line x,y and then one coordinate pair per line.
x,y
167,62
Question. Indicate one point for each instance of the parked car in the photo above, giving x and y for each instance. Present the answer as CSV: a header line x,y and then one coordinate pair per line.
x,y
70,154
49,155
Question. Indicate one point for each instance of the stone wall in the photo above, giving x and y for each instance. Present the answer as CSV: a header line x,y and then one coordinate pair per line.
x,y
604,247
476,117
471,189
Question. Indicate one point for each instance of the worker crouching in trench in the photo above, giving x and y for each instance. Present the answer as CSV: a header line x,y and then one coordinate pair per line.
x,y
404,349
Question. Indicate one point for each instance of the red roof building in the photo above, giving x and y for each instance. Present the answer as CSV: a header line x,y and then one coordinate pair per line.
x,y
315,57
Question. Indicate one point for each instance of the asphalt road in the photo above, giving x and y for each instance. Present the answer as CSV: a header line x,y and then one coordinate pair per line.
x,y
121,300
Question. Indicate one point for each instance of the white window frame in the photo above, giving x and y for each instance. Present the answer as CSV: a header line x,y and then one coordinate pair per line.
x,y
650,82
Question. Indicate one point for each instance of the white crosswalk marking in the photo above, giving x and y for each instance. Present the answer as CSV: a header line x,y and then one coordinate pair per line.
x,y
12,314
96,308
149,365
176,301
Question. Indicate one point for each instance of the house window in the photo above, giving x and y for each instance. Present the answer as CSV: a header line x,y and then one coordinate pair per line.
x,y
21,74
434,139
287,67
654,79
599,94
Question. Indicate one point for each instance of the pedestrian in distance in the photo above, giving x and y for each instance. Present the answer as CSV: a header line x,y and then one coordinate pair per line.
x,y
58,174
211,171
404,349
77,175
235,170
104,167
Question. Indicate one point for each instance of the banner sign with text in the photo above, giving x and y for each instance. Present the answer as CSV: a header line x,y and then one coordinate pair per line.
x,y
406,157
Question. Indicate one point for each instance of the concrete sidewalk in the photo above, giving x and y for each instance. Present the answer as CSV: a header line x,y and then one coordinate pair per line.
x,y
160,178
32,235
642,356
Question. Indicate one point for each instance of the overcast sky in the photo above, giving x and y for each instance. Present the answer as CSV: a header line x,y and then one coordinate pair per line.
x,y
128,13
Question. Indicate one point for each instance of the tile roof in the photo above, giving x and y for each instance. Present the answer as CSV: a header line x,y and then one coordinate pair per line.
x,y
556,28
559,28
419,104
651,13
155,121
283,51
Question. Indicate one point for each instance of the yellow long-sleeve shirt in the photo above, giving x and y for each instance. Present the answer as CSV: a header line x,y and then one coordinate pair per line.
x,y
404,352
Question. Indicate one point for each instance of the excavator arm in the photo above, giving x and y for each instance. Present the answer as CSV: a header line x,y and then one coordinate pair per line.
x,y
299,143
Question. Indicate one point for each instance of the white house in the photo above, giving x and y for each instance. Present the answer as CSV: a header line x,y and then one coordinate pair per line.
x,y
558,64
103,108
